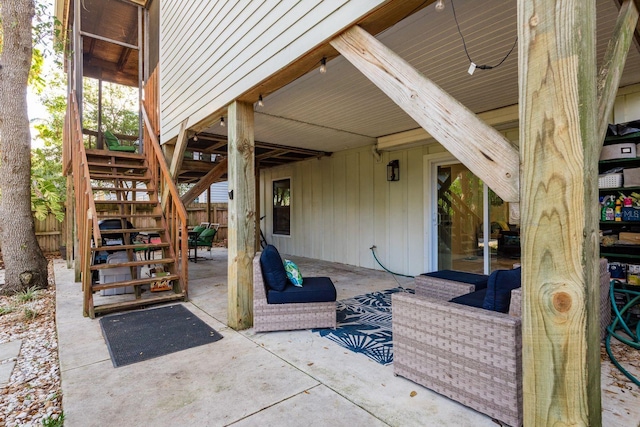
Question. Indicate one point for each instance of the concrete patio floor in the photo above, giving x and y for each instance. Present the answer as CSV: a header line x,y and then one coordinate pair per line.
x,y
250,379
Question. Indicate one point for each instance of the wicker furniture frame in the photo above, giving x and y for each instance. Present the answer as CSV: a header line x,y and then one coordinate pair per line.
x,y
441,288
468,354
283,317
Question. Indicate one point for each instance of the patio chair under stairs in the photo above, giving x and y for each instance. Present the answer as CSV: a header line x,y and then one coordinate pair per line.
x,y
124,190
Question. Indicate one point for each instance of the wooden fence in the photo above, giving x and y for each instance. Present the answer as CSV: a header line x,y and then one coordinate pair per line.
x,y
50,232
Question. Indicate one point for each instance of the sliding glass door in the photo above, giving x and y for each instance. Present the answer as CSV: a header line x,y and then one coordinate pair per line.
x,y
463,205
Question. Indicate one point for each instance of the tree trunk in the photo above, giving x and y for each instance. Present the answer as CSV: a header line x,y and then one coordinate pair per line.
x,y
24,263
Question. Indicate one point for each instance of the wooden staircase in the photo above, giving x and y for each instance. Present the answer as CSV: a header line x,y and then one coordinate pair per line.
x,y
124,189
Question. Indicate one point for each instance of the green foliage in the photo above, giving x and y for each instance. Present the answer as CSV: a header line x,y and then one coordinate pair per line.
x,y
30,314
28,294
53,422
6,310
119,107
48,186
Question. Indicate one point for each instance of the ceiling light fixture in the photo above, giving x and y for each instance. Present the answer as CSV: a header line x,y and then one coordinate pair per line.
x,y
222,121
439,5
195,138
260,102
323,65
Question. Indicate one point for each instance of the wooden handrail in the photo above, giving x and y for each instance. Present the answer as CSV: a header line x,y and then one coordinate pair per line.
x,y
85,176
173,209
162,163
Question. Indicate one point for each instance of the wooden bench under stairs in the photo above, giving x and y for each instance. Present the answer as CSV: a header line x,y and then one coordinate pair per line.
x,y
125,190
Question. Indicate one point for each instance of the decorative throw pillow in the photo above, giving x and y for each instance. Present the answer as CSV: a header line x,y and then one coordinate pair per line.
x,y
273,272
499,287
293,273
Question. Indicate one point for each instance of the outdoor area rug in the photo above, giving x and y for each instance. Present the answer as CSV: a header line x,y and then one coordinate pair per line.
x,y
141,335
364,325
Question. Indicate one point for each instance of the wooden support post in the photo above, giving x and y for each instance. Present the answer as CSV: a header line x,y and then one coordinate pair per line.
x,y
484,150
611,70
242,213
209,205
559,226
68,216
99,140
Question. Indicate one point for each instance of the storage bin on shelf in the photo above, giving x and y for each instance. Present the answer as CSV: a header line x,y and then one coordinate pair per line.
x,y
610,180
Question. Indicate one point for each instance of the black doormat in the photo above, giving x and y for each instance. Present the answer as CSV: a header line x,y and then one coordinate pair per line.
x,y
141,335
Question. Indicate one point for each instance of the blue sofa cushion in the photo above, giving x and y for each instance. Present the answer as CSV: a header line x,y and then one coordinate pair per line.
x,y
315,289
473,299
499,287
479,280
273,272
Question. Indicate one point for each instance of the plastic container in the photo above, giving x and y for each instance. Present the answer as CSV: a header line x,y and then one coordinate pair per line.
x,y
117,274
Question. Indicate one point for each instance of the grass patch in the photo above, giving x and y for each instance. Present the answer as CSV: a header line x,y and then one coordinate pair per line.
x,y
53,422
6,310
27,295
30,314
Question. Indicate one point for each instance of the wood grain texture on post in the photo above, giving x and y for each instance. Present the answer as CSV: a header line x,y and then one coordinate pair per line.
x,y
242,212
561,343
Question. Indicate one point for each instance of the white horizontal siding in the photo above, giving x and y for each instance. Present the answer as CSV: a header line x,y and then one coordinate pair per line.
x,y
213,52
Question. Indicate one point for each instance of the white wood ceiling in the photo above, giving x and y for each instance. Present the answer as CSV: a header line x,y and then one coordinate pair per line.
x,y
341,109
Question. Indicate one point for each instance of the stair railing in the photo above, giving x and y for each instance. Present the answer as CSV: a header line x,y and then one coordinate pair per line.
x,y
173,209
87,219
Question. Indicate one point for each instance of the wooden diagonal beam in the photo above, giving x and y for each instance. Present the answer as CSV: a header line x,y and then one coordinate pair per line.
x,y
173,155
204,183
477,145
611,70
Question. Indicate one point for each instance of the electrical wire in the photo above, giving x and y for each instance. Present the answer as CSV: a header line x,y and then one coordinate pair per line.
x,y
464,44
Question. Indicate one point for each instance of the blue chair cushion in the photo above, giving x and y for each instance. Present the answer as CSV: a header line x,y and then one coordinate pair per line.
x,y
273,272
479,280
499,287
473,299
315,289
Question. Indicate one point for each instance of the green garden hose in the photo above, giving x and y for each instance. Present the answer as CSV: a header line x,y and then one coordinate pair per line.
x,y
621,320
385,268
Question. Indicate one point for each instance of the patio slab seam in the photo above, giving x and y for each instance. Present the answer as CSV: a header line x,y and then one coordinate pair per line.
x,y
274,404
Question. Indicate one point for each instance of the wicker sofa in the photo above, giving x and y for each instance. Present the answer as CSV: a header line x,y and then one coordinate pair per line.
x,y
282,317
469,354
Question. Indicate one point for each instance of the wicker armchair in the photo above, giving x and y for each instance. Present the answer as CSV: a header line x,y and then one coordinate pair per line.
x,y
468,354
471,355
282,317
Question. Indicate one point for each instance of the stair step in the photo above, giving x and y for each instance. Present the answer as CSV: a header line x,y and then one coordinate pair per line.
x,y
117,154
104,266
136,282
129,216
125,247
127,305
124,189
126,202
132,230
118,165
140,178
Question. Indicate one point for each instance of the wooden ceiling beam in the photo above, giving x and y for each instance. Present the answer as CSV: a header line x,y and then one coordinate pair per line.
x,y
484,150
